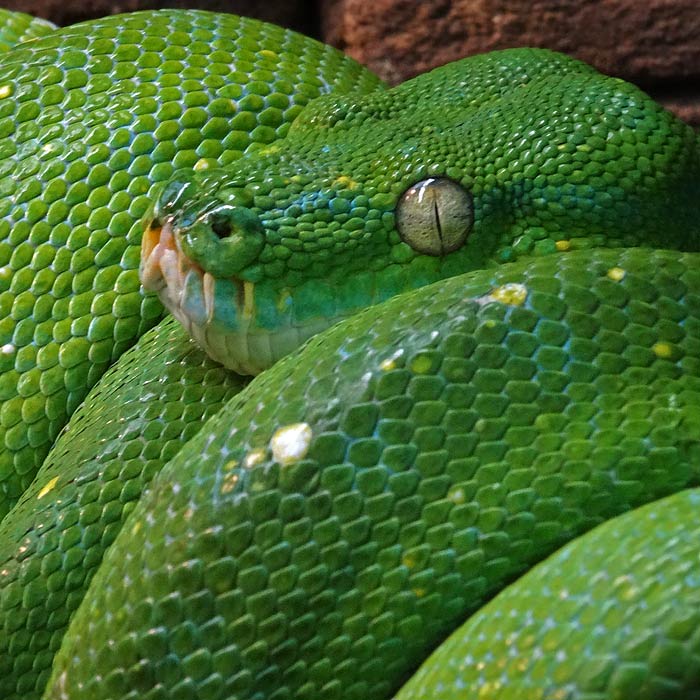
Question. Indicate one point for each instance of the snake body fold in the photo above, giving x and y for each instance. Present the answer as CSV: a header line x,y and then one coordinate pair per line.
x,y
92,119
317,532
17,27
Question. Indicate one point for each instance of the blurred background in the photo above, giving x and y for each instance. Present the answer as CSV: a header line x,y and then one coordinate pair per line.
x,y
653,43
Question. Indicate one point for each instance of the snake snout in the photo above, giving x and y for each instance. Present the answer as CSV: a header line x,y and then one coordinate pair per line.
x,y
198,246
201,229
222,241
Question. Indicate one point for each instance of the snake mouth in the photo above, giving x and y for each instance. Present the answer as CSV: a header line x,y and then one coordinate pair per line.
x,y
220,313
188,292
167,270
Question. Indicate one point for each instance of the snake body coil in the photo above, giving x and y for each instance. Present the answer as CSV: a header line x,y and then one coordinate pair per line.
x,y
317,532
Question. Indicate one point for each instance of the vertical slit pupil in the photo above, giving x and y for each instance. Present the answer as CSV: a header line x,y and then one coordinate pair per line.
x,y
436,211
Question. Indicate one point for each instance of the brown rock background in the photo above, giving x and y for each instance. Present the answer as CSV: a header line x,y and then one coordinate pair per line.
x,y
653,43
295,14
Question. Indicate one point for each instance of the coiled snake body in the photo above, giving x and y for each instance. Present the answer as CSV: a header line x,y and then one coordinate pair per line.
x,y
509,240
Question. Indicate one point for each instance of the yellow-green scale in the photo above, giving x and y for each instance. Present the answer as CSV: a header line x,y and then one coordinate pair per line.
x,y
16,27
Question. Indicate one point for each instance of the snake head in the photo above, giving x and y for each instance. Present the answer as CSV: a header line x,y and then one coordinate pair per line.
x,y
197,248
495,158
253,266
255,258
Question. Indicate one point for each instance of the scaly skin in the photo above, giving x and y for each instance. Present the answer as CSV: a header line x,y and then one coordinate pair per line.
x,y
441,444
52,542
451,438
16,27
70,299
552,154
514,649
92,118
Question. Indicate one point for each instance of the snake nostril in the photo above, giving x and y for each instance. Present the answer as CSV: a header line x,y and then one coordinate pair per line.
x,y
221,226
221,239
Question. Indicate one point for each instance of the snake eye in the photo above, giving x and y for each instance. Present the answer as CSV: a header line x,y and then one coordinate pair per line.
x,y
435,216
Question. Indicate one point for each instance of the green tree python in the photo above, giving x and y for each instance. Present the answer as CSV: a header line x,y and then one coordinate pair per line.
x,y
478,476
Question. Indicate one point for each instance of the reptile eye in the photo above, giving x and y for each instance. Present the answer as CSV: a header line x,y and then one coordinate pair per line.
x,y
435,216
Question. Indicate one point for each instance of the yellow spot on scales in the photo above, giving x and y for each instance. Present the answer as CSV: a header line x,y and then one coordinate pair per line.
x,y
48,487
254,457
205,164
616,274
562,246
662,349
345,181
266,53
392,362
513,294
5,91
269,150
408,560
229,482
291,443
456,495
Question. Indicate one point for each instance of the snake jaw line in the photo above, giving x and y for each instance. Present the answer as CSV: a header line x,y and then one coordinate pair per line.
x,y
190,293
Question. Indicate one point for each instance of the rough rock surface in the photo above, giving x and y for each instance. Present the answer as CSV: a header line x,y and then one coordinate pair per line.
x,y
655,44
287,13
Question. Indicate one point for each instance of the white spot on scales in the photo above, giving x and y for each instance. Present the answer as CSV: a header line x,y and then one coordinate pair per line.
x,y
290,443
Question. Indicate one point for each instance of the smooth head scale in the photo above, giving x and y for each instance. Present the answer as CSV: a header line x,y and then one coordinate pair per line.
x,y
514,153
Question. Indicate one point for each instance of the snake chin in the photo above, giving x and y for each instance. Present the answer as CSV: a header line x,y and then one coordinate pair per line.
x,y
225,329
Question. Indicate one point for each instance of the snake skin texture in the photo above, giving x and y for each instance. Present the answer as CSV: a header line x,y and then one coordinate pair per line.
x,y
481,483
92,118
303,546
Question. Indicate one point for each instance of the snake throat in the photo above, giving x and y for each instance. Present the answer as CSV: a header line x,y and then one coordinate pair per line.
x,y
220,314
